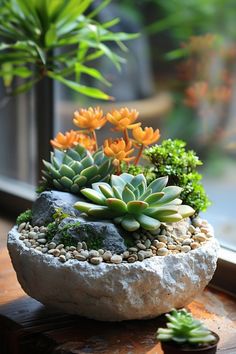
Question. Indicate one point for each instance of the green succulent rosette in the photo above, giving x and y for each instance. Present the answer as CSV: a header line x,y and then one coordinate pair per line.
x,y
76,168
130,202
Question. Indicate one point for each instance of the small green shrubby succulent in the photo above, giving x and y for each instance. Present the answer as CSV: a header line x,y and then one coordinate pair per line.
x,y
183,328
171,159
130,202
75,168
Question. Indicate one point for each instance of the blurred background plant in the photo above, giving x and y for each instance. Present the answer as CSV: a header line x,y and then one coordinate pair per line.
x,y
55,39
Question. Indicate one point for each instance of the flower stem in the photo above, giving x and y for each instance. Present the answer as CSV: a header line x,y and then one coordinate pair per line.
x,y
139,155
126,136
118,170
95,139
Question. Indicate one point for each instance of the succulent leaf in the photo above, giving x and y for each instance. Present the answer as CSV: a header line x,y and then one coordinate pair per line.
x,y
128,201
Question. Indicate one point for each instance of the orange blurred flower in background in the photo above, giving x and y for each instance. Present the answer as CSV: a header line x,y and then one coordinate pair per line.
x,y
123,119
222,94
118,149
65,141
146,136
90,119
195,93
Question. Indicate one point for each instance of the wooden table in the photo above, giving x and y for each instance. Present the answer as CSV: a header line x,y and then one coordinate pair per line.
x,y
27,327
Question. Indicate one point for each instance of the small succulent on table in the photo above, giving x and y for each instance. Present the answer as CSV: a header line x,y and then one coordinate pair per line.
x,y
130,202
185,331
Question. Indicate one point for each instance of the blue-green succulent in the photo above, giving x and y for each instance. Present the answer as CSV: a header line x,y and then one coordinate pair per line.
x,y
130,202
76,168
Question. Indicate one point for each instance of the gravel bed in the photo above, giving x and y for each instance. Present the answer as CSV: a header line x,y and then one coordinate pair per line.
x,y
146,244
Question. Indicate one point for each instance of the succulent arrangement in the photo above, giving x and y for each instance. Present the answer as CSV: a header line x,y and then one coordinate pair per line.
x,y
182,328
110,177
130,202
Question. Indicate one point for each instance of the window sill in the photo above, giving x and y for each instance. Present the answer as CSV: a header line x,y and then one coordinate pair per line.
x,y
223,278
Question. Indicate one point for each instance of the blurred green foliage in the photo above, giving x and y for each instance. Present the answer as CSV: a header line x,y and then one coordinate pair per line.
x,y
26,216
55,39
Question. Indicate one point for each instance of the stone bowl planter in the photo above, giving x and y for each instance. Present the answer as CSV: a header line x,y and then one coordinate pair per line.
x,y
114,292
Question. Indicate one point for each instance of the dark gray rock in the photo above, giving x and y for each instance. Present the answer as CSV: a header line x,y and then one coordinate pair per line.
x,y
97,234
47,203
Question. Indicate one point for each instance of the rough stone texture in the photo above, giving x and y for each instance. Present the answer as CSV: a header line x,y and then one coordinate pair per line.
x,y
114,292
180,227
109,236
47,203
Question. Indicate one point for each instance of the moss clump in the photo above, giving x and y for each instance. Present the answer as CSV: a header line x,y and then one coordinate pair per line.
x,y
173,160
26,216
52,227
66,238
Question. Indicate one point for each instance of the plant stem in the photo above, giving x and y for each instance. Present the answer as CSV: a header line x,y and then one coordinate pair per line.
x,y
139,155
118,170
95,139
126,136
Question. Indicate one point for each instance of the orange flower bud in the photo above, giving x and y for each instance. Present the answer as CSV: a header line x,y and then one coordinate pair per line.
x,y
66,141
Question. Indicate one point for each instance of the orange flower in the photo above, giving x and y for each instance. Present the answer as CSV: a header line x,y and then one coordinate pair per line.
x,y
118,149
90,119
66,141
87,142
146,136
222,94
123,119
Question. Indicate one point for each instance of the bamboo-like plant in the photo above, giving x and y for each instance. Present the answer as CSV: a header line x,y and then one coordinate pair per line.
x,y
34,32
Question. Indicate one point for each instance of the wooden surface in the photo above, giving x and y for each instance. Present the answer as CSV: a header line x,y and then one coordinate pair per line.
x,y
26,326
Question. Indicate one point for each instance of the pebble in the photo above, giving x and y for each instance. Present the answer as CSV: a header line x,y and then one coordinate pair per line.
x,y
148,243
162,238
194,245
200,237
52,245
38,248
62,259
96,260
36,228
159,244
205,230
125,254
84,253
21,227
42,240
44,249
163,232
209,235
116,259
63,251
133,249
185,249
72,248
93,253
187,241
141,256
131,259
32,234
171,247
41,235
191,229
80,257
101,251
141,246
21,237
84,245
51,251
56,252
162,251
75,253
59,247
79,246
